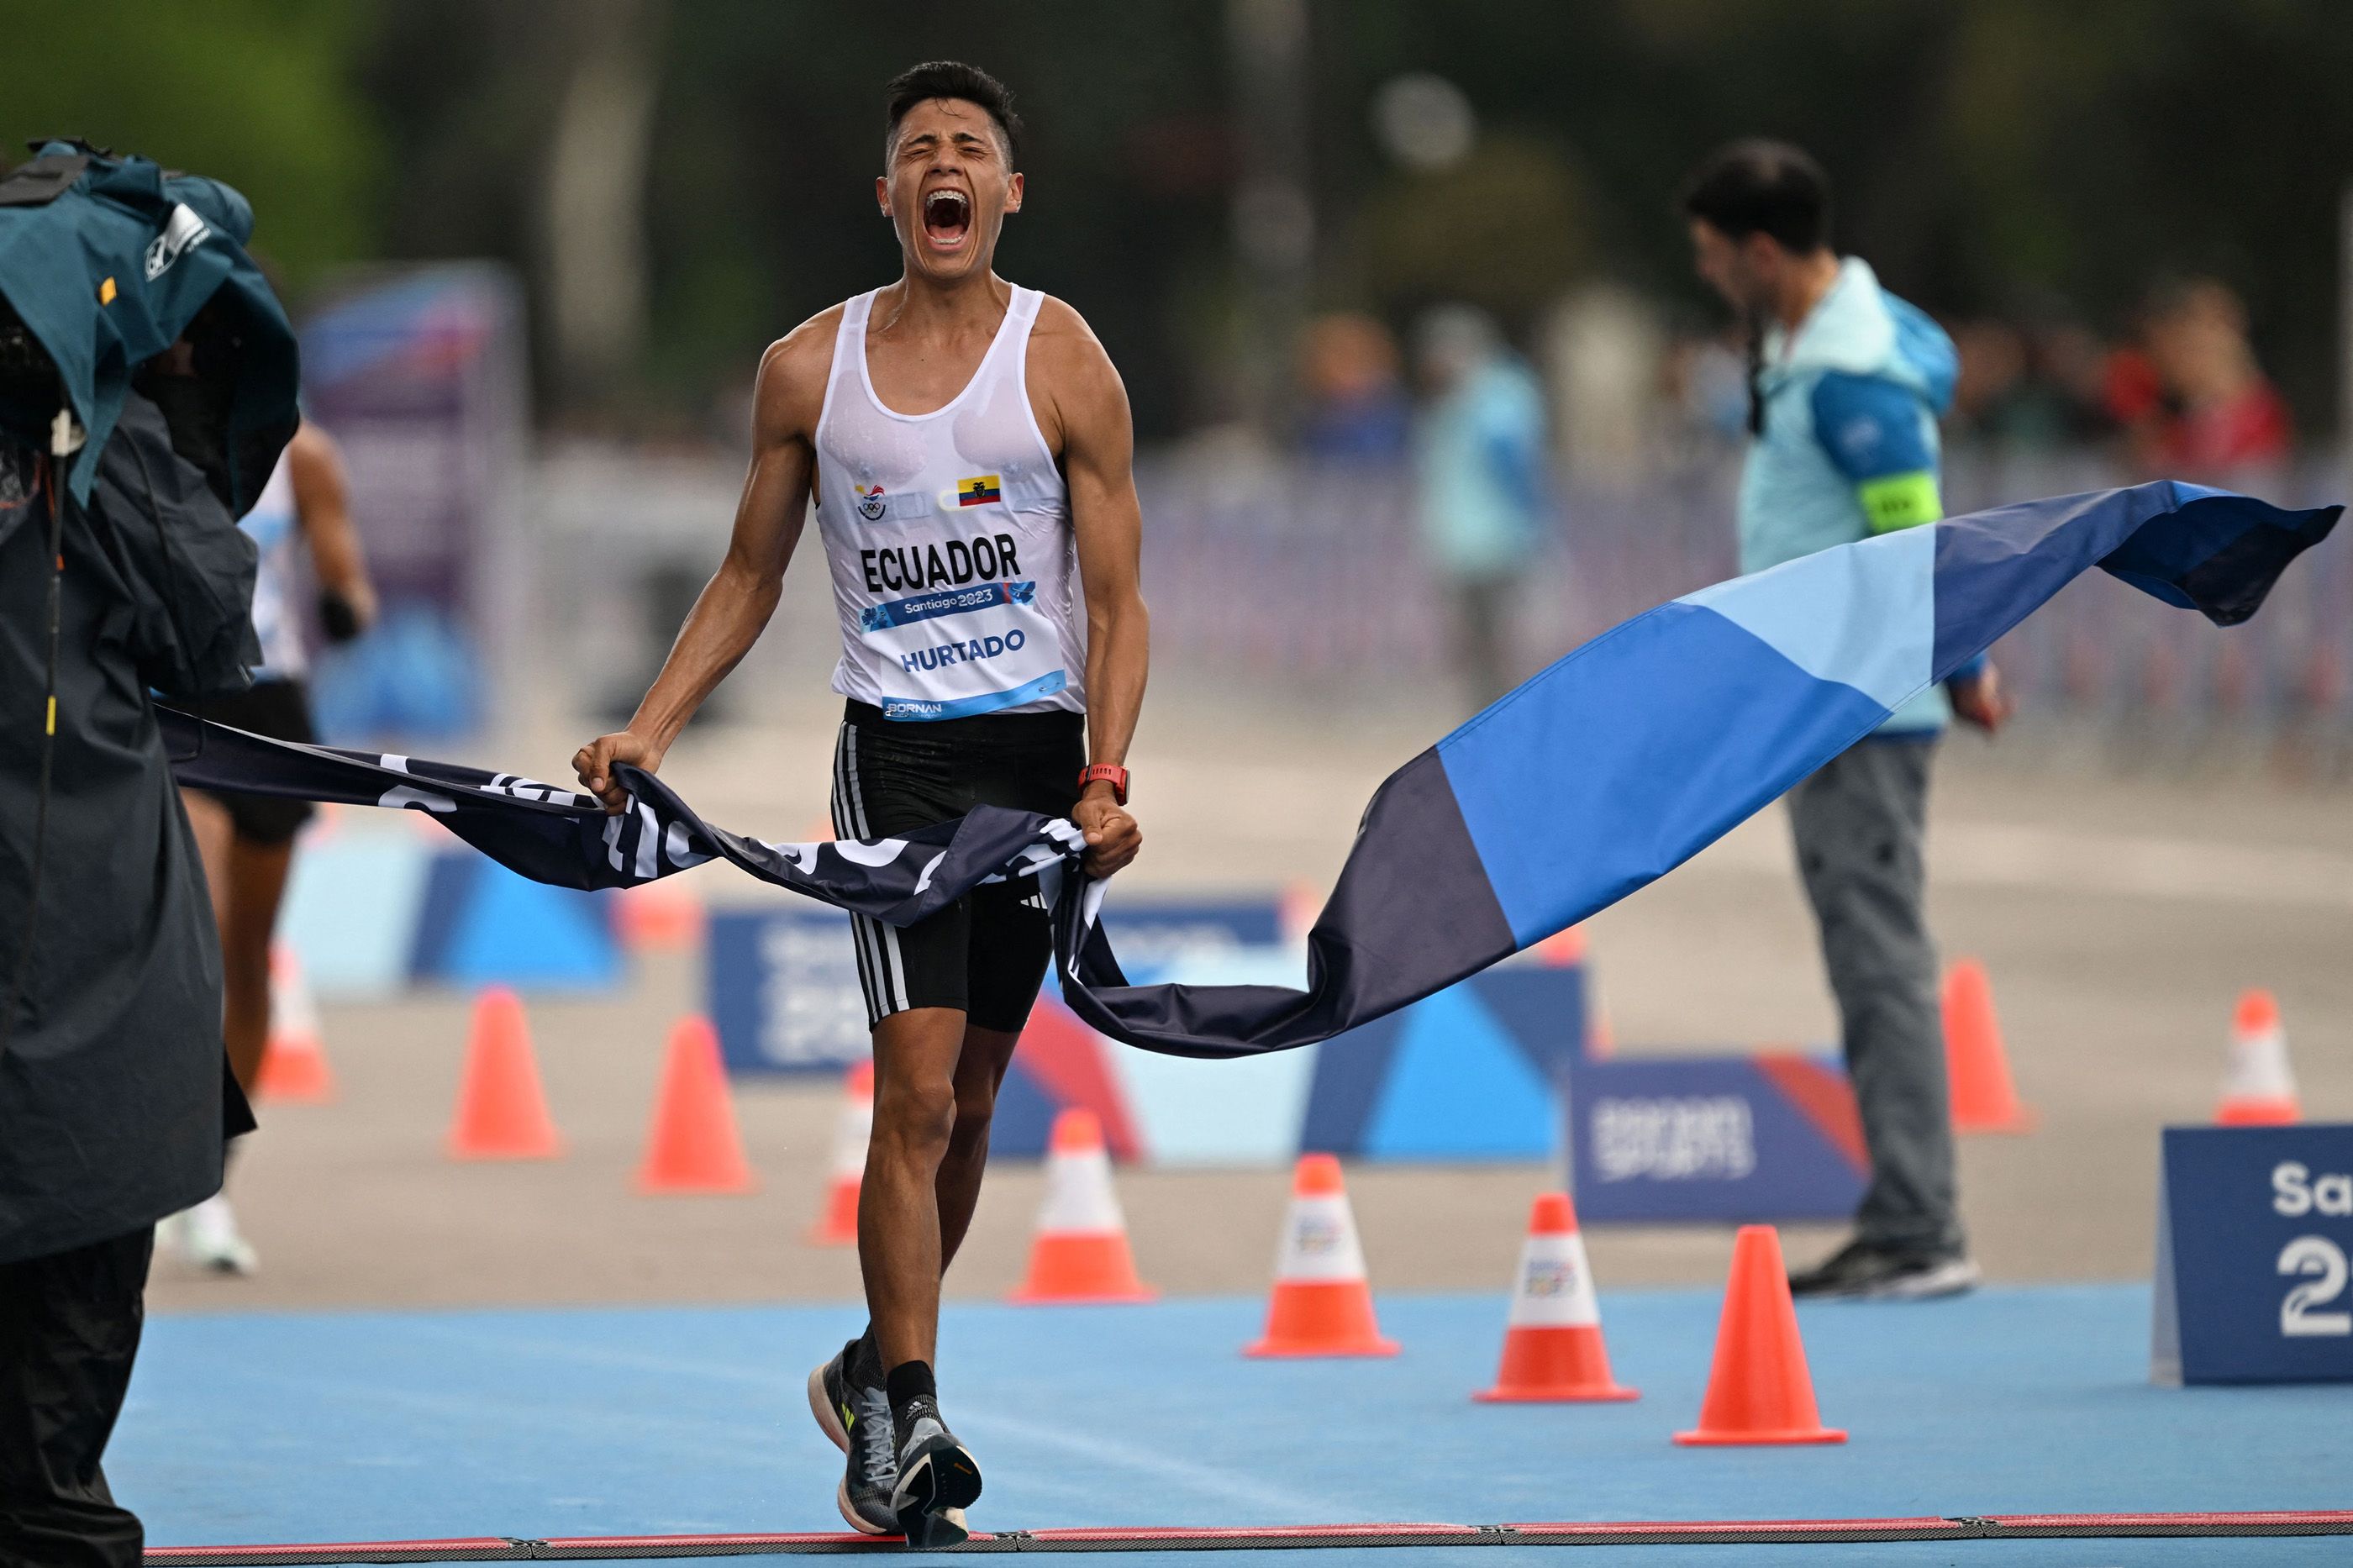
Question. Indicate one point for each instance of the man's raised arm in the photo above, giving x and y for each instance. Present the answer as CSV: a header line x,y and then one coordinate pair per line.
x,y
735,604
1099,463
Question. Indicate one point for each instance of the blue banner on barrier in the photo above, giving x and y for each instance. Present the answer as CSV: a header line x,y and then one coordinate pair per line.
x,y
1772,1136
783,988
2255,1228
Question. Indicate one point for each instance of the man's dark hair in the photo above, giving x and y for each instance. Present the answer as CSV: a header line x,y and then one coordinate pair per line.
x,y
1762,188
951,79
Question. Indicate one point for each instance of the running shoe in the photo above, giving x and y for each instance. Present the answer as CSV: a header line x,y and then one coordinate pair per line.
x,y
938,1479
1870,1271
207,1237
857,1417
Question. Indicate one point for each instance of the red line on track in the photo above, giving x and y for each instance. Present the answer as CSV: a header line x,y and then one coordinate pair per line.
x,y
1747,1531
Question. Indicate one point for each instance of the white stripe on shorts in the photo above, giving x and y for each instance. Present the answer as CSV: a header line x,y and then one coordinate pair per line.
x,y
841,829
887,987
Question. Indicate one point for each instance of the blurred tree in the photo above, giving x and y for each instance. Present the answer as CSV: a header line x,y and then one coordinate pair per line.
x,y
1984,150
593,227
256,93
1505,230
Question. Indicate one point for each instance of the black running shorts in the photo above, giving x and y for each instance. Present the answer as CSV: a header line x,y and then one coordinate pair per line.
x,y
985,954
280,710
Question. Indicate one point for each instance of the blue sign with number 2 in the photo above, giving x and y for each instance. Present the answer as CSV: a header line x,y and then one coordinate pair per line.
x,y
2255,1228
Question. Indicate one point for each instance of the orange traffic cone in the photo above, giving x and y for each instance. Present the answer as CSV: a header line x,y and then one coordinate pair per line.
x,y
838,1225
501,1113
1984,1100
1296,911
658,917
2260,1090
1321,1305
1563,948
1551,1343
693,1146
1081,1253
294,1063
1759,1391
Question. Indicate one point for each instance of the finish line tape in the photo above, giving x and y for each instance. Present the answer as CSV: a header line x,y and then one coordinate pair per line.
x,y
1305,1537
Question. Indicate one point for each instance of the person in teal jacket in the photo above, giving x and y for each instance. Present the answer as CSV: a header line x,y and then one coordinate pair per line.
x,y
1846,382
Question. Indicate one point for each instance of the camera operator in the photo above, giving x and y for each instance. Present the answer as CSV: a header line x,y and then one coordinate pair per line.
x,y
117,577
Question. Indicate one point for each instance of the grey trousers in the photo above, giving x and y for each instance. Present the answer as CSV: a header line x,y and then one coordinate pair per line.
x,y
1859,825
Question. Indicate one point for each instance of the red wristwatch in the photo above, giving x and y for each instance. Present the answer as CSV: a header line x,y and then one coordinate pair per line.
x,y
1116,777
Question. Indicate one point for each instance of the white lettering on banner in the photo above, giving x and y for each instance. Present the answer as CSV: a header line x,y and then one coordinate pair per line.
x,y
2296,1193
930,866
1702,1138
882,852
675,841
649,843
404,795
523,788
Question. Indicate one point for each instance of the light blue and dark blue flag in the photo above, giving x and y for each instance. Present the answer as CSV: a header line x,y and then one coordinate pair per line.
x,y
1606,771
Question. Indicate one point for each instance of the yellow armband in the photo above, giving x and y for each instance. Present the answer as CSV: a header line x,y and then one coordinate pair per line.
x,y
1901,500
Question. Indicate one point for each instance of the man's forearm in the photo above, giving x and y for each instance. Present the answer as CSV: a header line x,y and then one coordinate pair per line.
x,y
1119,657
727,619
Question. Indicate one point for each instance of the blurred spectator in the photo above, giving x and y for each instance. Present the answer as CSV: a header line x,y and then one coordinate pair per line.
x,y
2215,416
1479,460
1356,404
1703,379
2034,386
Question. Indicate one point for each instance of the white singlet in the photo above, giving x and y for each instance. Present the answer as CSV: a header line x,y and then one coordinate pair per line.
x,y
271,527
948,535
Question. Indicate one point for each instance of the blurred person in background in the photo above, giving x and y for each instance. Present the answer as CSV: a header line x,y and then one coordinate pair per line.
x,y
2215,417
1357,407
1478,458
247,840
968,450
1846,382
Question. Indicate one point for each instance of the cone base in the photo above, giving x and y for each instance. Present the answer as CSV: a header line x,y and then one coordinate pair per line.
x,y
1769,1436
1302,1348
1082,1266
1027,1297
1608,1393
2023,1120
2259,1113
817,1236
301,1082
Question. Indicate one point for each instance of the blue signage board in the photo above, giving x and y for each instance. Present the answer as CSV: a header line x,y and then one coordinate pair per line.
x,y
2255,1228
1713,1140
784,991
782,980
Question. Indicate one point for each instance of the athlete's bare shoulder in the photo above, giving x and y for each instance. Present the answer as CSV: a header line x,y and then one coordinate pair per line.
x,y
1073,385
790,394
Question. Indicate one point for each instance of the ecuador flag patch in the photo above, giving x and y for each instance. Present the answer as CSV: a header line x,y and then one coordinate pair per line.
x,y
978,491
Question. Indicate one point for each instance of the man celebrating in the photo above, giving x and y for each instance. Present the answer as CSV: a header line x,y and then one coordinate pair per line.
x,y
1845,385
968,449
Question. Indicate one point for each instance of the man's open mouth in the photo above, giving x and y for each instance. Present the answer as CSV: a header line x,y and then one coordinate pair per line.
x,y
947,213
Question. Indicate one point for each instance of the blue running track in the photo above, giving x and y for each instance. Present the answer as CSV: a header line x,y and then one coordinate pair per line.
x,y
376,1425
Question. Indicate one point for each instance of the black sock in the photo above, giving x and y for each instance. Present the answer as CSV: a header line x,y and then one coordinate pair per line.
x,y
909,1381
